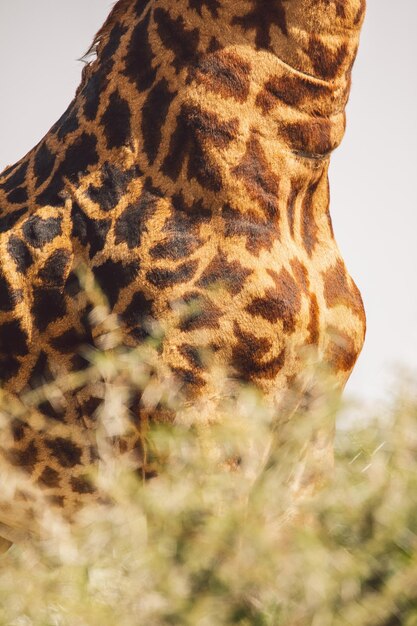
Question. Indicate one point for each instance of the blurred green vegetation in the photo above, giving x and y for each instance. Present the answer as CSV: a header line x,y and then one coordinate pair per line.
x,y
203,546
209,543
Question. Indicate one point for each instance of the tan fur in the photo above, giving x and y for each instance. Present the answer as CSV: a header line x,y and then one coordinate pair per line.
x,y
191,166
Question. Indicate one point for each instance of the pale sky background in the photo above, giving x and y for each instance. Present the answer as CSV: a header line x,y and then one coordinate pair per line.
x,y
373,175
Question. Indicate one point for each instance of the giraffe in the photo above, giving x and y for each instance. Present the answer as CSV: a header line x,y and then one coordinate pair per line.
x,y
192,164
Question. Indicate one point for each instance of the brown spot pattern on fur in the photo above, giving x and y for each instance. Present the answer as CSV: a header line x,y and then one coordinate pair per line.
x,y
224,273
341,353
224,73
282,303
291,90
261,183
341,290
325,60
189,175
261,18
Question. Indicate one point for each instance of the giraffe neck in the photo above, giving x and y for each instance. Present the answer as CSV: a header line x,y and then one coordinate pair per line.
x,y
214,99
318,37
190,176
221,62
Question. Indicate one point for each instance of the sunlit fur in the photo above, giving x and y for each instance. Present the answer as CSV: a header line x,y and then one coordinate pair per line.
x,y
190,174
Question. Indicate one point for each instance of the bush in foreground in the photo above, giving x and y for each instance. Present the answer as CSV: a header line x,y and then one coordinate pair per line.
x,y
202,546
214,539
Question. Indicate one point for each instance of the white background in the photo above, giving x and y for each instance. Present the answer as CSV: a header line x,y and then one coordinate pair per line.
x,y
373,174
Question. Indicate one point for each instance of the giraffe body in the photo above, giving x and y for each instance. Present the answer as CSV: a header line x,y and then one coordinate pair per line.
x,y
192,165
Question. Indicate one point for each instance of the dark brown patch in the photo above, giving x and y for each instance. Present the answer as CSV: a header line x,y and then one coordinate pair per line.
x,y
261,183
43,163
41,372
340,6
326,62
196,132
113,276
20,254
188,378
212,5
18,429
176,247
164,278
26,458
136,315
154,113
91,232
192,355
17,178
224,73
89,407
261,18
282,303
259,234
180,234
114,184
139,58
67,123
248,357
70,341
13,339
296,187
52,411
309,228
38,231
360,13
341,353
198,213
230,275
115,121
10,219
339,289
82,484
311,139
80,155
67,453
93,87
291,90
9,297
175,36
301,274
314,322
58,501
48,306
55,269
202,313
18,196
49,478
132,223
